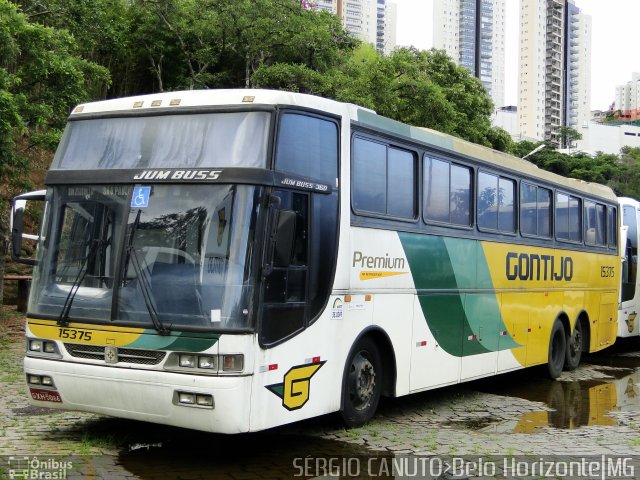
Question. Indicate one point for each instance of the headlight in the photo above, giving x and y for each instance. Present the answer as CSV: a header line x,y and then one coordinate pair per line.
x,y
188,361
42,348
193,399
188,398
208,362
205,364
43,380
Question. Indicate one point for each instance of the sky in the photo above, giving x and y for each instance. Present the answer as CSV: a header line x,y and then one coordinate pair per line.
x,y
615,42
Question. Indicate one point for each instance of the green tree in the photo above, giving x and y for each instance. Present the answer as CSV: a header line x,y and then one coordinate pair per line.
x,y
41,77
219,43
626,178
568,135
423,88
101,31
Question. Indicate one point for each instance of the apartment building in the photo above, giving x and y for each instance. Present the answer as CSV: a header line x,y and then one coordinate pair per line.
x,y
372,21
472,32
554,70
628,99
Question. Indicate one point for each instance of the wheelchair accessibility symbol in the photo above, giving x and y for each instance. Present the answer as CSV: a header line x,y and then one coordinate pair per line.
x,y
140,197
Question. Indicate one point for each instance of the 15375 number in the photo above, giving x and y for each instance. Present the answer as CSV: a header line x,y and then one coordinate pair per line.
x,y
74,334
607,272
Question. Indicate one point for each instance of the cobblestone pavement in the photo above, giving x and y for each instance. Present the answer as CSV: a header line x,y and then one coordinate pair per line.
x,y
594,410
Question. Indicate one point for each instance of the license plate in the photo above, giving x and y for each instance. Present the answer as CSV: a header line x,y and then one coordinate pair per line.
x,y
45,395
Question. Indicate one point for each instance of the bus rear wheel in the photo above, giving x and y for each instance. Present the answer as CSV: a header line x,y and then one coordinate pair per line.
x,y
557,350
362,385
574,348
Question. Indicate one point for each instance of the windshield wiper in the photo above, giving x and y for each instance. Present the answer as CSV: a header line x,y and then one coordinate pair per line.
x,y
63,319
145,287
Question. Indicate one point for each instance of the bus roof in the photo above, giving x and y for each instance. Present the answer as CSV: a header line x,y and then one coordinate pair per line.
x,y
206,98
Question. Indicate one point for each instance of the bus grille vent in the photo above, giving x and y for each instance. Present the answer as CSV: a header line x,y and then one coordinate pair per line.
x,y
125,355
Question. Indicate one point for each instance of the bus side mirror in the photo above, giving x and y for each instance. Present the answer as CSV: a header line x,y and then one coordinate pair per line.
x,y
281,240
16,222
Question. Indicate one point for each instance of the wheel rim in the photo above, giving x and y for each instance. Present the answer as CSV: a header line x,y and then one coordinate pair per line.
x,y
362,381
575,343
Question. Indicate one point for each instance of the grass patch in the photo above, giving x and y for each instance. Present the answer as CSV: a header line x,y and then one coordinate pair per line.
x,y
91,444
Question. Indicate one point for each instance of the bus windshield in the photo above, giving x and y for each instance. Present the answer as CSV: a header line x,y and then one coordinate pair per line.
x,y
233,139
180,254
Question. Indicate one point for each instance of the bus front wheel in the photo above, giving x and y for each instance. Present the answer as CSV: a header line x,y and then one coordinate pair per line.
x,y
557,350
362,384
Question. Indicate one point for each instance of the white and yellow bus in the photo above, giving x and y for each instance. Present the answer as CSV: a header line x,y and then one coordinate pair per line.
x,y
235,260
629,306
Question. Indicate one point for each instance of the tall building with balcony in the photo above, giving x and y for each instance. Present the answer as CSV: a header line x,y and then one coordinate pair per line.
x,y
328,5
472,34
555,69
372,21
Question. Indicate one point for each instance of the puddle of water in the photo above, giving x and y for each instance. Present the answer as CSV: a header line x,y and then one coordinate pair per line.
x,y
484,423
194,455
572,404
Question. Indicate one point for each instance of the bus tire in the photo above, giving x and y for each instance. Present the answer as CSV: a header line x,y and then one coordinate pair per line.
x,y
362,383
574,347
557,350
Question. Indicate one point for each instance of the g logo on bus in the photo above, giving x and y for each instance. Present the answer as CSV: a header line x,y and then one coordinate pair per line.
x,y
295,389
110,355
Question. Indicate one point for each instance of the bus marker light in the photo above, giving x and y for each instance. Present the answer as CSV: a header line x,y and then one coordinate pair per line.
x,y
472,337
248,99
268,368
232,363
156,103
174,102
138,104
423,343
503,333
347,298
368,298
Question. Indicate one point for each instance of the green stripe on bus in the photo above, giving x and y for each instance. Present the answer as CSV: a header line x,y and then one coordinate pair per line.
x,y
188,342
442,268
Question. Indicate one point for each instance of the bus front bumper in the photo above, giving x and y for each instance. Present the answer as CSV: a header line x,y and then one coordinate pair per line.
x,y
147,395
